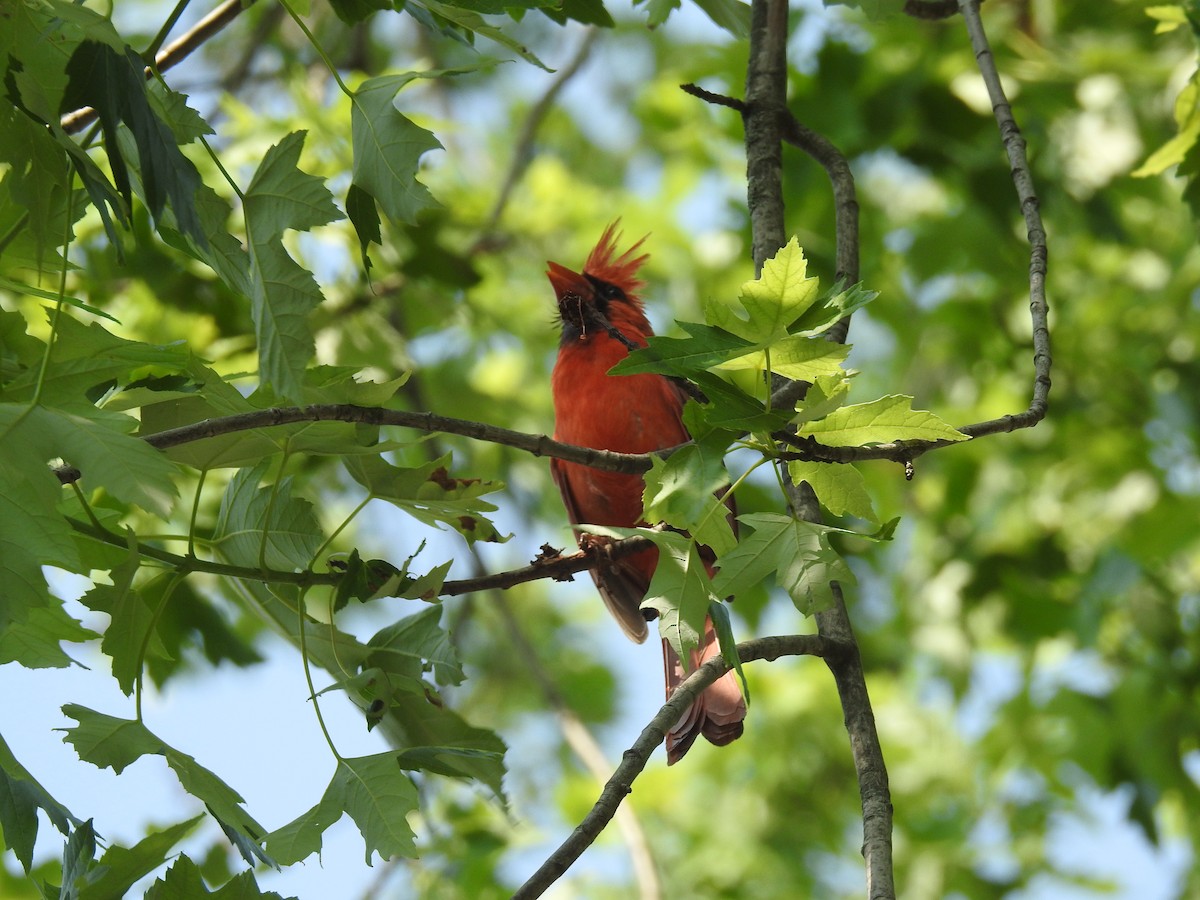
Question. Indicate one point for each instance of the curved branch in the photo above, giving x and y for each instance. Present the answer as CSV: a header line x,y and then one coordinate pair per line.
x,y
810,449
1014,146
634,759
845,205
537,444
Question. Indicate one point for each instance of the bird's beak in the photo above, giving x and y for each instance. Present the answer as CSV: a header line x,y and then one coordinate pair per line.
x,y
567,282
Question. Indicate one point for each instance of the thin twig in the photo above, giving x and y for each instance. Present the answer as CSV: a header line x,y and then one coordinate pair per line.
x,y
845,205
558,568
1014,146
634,759
171,55
555,566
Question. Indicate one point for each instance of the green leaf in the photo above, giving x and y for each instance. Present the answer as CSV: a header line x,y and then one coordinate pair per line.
x,y
705,347
718,612
281,197
475,24
35,642
85,357
405,646
771,302
680,589
824,395
387,151
732,15
301,837
378,796
797,553
38,181
21,796
1187,119
840,488
680,592
266,524
121,866
354,11
183,881
32,533
131,619
733,409
881,421
364,216
658,11
126,466
430,731
29,290
680,491
589,12
106,741
796,357
109,742
114,84
430,494
835,305
223,802
78,862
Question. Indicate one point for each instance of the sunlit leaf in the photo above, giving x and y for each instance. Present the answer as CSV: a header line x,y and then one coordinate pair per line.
x,y
841,488
881,421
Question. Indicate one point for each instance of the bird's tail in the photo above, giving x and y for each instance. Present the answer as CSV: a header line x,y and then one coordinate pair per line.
x,y
717,713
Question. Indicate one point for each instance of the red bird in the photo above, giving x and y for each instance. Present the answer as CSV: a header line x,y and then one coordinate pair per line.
x,y
602,320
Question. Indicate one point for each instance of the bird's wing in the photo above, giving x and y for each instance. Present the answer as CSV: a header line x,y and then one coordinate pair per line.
x,y
620,583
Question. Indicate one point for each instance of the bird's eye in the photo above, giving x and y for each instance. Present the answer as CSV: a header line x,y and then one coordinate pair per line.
x,y
606,291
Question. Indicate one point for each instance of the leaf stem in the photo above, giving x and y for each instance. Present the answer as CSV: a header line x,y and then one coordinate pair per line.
x,y
62,292
317,46
176,580
312,690
191,535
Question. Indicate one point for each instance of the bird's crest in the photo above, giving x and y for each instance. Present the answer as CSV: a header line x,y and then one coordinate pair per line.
x,y
604,264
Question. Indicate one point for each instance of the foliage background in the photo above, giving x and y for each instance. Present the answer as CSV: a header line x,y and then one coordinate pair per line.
x,y
1031,634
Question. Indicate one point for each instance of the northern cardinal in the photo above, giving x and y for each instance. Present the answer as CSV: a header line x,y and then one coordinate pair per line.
x,y
602,320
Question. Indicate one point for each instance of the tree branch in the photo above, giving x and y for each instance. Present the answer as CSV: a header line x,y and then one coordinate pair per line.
x,y
766,90
171,55
537,444
634,759
766,119
551,565
559,568
845,205
1014,146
